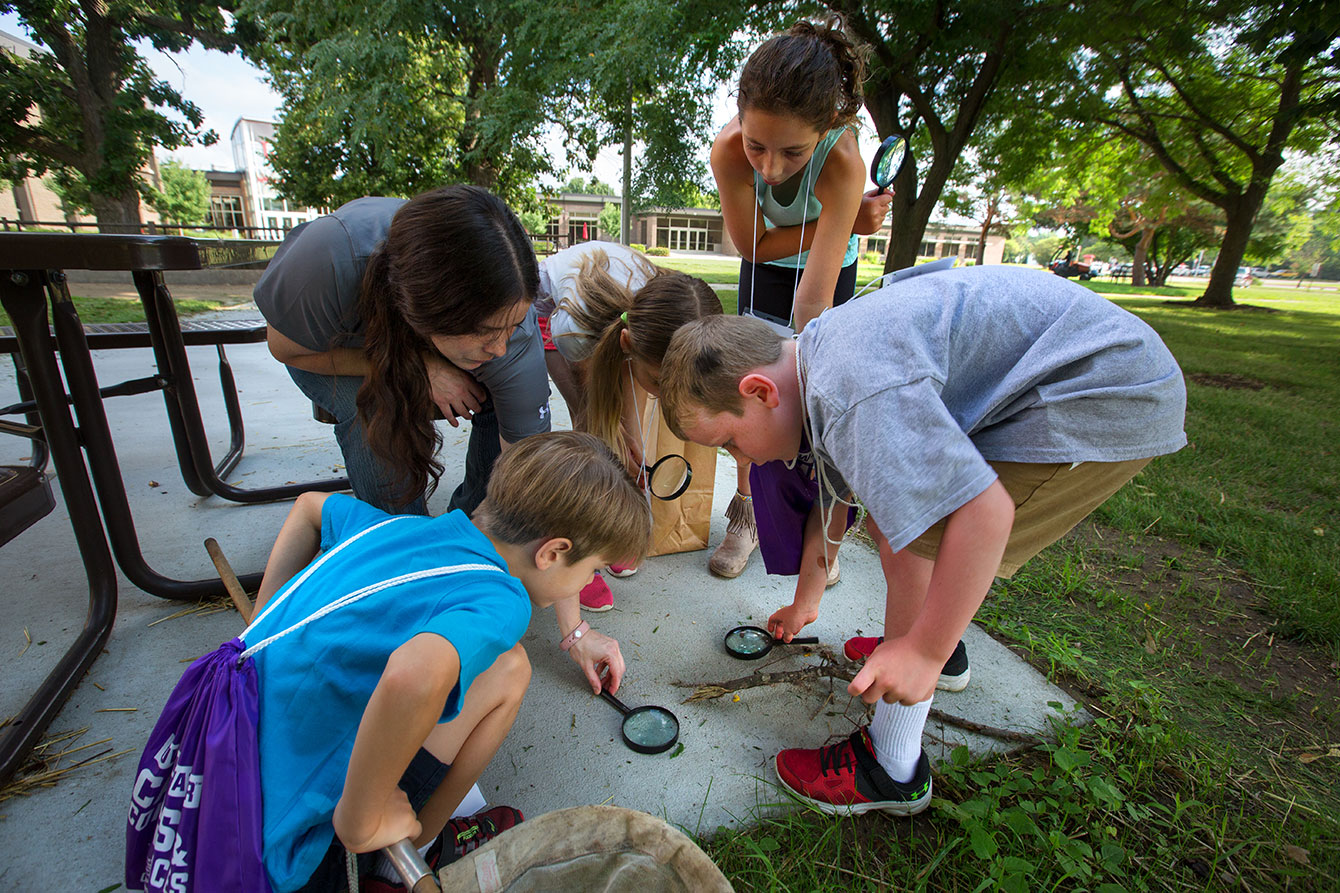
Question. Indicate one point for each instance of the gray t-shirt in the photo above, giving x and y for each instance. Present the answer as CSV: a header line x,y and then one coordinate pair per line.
x,y
911,389
309,293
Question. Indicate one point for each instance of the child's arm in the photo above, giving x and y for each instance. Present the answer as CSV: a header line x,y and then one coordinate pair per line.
x,y
739,205
906,668
405,706
787,623
596,653
297,544
838,189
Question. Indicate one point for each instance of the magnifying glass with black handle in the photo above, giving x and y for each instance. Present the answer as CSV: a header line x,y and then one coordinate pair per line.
x,y
669,477
753,642
647,729
890,159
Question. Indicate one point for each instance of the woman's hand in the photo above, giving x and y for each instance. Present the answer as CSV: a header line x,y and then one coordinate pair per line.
x,y
366,834
455,391
598,655
874,209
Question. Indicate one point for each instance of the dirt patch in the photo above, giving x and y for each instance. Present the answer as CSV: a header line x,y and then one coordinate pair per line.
x,y
1206,628
1228,380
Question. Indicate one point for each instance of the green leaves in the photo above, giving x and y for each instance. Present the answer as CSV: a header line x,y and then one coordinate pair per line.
x,y
89,106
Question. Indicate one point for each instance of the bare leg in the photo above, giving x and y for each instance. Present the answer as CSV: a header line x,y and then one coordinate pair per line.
x,y
571,385
470,740
907,577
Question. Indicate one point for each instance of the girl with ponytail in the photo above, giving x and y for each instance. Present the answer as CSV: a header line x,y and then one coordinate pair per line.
x,y
790,177
611,313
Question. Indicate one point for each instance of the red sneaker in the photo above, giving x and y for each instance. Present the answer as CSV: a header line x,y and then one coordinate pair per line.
x,y
954,676
618,570
596,596
846,779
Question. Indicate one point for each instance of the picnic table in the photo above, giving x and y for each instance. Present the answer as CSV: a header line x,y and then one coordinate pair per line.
x,y
65,417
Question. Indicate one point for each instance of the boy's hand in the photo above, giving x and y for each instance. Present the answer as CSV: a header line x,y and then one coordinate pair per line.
x,y
598,655
786,624
898,673
874,208
396,822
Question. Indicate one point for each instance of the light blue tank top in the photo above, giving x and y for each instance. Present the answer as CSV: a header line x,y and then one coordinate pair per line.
x,y
804,207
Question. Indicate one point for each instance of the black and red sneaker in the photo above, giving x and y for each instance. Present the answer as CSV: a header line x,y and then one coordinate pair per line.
x,y
846,779
460,836
954,676
467,834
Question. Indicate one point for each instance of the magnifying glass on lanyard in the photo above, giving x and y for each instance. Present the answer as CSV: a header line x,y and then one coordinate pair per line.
x,y
648,729
668,477
752,642
890,159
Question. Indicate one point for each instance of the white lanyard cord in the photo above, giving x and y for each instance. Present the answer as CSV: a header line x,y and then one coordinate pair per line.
x,y
753,264
825,510
360,594
641,433
311,569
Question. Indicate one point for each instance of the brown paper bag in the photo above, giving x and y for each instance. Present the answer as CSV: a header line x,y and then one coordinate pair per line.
x,y
678,525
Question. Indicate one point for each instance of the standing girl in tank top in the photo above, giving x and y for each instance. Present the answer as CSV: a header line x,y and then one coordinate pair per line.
x,y
790,177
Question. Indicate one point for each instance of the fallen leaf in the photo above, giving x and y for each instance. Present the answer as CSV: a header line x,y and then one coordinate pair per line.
x,y
153,483
1319,531
1309,757
1150,646
1296,853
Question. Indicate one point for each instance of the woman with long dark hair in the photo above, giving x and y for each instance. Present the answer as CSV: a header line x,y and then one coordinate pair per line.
x,y
386,310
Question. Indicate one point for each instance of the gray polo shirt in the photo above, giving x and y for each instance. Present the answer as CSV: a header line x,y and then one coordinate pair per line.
x,y
911,389
309,293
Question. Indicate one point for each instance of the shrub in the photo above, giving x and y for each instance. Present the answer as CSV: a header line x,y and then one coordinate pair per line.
x,y
658,251
638,246
871,257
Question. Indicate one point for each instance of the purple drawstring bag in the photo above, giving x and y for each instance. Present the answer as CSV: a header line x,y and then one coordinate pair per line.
x,y
783,498
195,809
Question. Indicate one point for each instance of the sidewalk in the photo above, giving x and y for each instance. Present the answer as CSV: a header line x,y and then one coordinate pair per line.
x,y
564,749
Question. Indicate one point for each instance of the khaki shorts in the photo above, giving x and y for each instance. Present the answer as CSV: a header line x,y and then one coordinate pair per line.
x,y
1049,500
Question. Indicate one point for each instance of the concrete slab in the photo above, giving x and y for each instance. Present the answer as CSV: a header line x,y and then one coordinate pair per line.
x,y
565,748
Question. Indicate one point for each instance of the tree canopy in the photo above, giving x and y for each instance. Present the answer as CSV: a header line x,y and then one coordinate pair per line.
x,y
89,107
1218,93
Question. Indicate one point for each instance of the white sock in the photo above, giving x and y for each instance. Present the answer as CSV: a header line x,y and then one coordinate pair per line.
x,y
382,867
896,733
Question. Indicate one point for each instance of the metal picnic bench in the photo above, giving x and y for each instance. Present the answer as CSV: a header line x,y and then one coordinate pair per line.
x,y
32,279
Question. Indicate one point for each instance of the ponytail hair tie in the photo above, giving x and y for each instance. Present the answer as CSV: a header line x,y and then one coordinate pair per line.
x,y
624,317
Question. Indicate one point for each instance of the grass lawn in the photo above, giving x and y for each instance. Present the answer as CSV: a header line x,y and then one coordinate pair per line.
x,y
102,310
1197,616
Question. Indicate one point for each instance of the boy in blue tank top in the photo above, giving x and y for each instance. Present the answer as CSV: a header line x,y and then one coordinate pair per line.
x,y
376,718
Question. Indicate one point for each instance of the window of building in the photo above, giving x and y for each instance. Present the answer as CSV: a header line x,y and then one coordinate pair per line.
x,y
877,243
582,229
275,204
685,234
970,251
225,211
927,249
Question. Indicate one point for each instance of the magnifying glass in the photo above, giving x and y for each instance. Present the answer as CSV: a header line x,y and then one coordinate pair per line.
x,y
646,729
669,477
752,642
890,158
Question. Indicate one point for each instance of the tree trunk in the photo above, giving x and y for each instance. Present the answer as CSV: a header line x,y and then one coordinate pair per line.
x,y
1139,258
118,213
626,206
1239,217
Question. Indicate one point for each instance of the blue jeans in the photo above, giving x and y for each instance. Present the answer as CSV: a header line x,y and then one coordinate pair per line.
x,y
370,477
